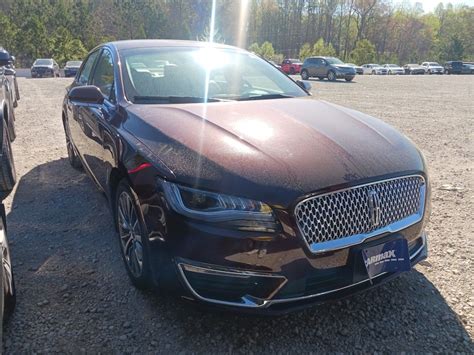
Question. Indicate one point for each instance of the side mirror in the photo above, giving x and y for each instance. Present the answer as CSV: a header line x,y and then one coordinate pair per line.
x,y
13,58
88,94
305,85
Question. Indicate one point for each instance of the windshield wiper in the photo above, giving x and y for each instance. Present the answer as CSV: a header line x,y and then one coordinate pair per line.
x,y
174,99
265,97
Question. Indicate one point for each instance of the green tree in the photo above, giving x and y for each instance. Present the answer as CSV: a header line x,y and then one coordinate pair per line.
x,y
267,51
322,49
305,51
364,52
255,48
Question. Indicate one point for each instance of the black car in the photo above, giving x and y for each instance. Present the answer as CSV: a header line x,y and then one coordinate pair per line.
x,y
453,67
414,69
7,281
232,187
6,104
7,182
45,68
71,68
327,67
7,61
467,68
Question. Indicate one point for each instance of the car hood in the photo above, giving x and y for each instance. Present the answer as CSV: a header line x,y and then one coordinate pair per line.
x,y
343,66
271,150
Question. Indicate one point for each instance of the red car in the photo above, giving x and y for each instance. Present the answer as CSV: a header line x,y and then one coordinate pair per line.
x,y
291,66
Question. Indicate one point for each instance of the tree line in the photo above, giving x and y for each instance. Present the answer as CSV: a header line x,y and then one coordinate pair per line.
x,y
355,30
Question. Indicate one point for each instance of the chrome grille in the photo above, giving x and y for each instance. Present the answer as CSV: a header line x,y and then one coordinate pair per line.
x,y
358,210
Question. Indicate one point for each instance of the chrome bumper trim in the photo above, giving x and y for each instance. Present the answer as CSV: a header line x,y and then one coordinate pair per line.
x,y
253,302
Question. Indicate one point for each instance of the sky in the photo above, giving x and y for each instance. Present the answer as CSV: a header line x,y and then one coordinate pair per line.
x,y
430,5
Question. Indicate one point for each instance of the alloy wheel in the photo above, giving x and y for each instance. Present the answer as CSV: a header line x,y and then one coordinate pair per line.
x,y
130,234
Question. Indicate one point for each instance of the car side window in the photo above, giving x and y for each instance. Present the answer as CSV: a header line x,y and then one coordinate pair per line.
x,y
103,76
87,68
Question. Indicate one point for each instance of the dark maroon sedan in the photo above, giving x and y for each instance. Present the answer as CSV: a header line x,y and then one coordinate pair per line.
x,y
231,186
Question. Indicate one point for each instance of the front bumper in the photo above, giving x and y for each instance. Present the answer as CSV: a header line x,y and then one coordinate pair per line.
x,y
274,293
344,75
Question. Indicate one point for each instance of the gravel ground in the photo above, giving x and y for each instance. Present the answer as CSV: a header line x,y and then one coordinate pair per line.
x,y
74,295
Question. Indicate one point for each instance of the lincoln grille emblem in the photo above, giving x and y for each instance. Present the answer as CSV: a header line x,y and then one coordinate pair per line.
x,y
374,207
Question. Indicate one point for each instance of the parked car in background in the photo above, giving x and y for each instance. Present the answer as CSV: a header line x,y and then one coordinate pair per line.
x,y
394,69
291,66
327,67
7,61
453,67
432,68
44,68
467,68
71,68
414,69
231,188
359,70
374,69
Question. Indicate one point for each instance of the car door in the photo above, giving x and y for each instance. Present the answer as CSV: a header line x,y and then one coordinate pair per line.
x,y
99,150
320,67
75,113
312,65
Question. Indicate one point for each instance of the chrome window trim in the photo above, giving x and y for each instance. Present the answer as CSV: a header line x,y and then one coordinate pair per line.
x,y
337,244
253,302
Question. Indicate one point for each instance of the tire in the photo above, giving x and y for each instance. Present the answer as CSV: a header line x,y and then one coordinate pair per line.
x,y
7,169
331,76
17,90
132,238
429,72
11,124
9,289
71,151
373,72
349,79
304,74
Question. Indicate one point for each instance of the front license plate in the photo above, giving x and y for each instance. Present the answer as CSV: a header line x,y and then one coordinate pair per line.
x,y
388,257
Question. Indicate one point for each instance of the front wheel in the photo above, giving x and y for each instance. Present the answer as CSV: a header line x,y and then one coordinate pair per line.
x,y
331,76
304,74
132,236
373,72
349,79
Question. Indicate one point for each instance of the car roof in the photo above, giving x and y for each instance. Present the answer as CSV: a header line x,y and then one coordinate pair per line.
x,y
149,43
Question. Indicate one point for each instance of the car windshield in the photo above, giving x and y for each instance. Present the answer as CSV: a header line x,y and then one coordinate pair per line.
x,y
392,65
43,62
185,75
433,63
334,61
74,63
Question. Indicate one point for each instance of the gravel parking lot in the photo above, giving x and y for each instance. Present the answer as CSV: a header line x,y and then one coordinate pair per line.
x,y
74,295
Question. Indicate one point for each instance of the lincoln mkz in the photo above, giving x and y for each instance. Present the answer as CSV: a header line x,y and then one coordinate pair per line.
x,y
230,185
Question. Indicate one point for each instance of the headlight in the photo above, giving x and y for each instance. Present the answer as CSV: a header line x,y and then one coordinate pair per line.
x,y
227,211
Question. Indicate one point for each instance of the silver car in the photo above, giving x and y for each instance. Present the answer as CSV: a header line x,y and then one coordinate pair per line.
x,y
394,69
374,69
